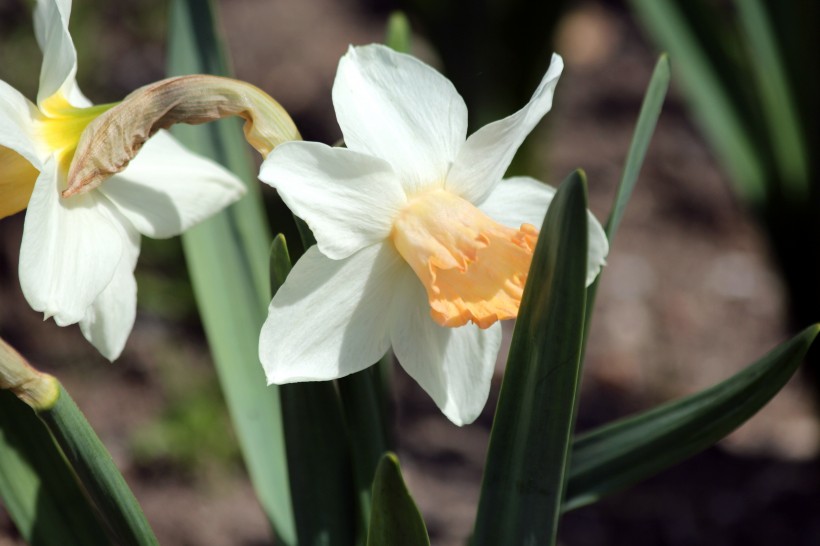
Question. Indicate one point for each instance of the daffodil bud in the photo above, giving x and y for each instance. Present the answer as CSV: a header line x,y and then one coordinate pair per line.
x,y
37,389
110,142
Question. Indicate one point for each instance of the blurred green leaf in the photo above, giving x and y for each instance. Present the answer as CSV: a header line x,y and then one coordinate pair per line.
x,y
528,454
228,262
317,448
627,451
777,103
97,472
37,487
715,108
398,35
396,520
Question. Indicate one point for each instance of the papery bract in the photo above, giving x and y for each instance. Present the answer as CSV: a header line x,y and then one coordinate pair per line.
x,y
420,244
78,254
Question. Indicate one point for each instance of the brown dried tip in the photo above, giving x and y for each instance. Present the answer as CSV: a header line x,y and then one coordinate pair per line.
x,y
112,140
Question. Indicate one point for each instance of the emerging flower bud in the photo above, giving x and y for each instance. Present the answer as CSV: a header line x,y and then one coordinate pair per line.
x,y
110,142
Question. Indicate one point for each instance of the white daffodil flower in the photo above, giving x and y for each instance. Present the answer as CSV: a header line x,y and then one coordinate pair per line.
x,y
78,254
421,245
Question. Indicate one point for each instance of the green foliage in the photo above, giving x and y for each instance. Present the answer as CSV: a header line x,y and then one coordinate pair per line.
x,y
529,444
37,484
228,263
630,450
396,520
98,474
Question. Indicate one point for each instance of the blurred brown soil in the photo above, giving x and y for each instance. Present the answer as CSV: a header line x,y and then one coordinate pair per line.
x,y
689,296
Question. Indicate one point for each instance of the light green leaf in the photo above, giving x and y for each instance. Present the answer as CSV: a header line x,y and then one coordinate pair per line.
x,y
37,487
529,444
625,452
398,35
228,262
396,520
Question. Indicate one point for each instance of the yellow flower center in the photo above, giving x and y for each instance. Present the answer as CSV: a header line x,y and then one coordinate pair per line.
x,y
58,129
62,124
473,268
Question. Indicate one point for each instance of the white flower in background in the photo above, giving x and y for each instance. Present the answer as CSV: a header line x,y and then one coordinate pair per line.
x,y
421,245
78,254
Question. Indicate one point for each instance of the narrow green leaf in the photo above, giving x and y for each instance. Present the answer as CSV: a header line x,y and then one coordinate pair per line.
x,y
37,487
228,262
713,106
630,450
97,472
317,448
396,519
644,129
777,102
399,35
529,444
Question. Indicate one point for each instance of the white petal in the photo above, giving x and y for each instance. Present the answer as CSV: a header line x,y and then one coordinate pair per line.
x,y
598,249
17,115
521,200
454,365
331,317
108,322
517,201
70,249
347,198
59,56
485,156
395,107
167,189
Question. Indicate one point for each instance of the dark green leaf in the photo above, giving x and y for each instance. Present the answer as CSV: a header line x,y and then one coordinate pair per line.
x,y
37,487
396,520
644,128
317,448
98,473
530,440
632,449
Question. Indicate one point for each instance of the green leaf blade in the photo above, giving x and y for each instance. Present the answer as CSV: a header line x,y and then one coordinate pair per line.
x,y
321,477
625,452
529,445
227,258
396,519
714,107
37,487
641,137
98,473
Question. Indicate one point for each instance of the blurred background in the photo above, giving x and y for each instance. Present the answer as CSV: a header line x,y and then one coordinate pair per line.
x,y
698,283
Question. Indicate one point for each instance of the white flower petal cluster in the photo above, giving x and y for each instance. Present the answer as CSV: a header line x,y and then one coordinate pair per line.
x,y
78,254
421,245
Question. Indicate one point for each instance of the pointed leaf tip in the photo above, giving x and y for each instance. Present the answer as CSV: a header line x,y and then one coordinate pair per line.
x,y
395,520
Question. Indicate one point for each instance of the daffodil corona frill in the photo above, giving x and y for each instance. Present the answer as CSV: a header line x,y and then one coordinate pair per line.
x,y
78,254
421,245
